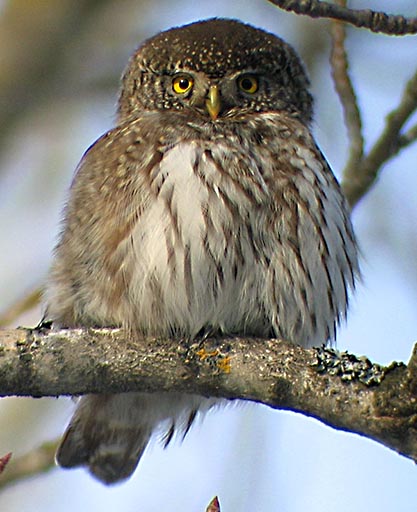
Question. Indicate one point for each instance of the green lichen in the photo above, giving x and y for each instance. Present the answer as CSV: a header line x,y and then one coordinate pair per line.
x,y
349,367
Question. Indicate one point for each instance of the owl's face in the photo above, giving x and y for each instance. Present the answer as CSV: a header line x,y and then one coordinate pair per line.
x,y
215,70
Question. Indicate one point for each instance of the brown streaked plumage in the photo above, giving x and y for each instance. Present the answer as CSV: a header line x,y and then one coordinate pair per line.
x,y
207,209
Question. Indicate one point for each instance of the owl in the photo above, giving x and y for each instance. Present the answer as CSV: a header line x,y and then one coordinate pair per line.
x,y
207,209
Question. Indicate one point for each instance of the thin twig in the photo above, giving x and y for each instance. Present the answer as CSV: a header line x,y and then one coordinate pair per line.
x,y
408,137
343,84
37,461
358,181
25,303
389,24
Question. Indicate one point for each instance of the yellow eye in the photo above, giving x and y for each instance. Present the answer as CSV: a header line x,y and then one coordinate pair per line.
x,y
182,84
248,84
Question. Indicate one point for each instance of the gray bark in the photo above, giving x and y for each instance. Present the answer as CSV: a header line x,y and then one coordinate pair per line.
x,y
341,390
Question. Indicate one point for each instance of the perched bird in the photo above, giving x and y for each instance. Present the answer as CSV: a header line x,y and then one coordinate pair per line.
x,y
208,208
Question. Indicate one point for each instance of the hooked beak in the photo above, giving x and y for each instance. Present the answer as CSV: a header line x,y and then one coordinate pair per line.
x,y
213,102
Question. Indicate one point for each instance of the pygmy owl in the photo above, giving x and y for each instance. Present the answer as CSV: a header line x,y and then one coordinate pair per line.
x,y
208,208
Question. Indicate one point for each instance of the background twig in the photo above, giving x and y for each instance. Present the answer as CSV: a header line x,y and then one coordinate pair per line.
x,y
25,303
389,24
35,462
357,180
344,88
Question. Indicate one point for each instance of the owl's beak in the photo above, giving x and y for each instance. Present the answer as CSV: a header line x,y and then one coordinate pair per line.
x,y
213,102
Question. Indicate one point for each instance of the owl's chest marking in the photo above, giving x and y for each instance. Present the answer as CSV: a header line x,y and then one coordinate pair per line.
x,y
197,256
229,242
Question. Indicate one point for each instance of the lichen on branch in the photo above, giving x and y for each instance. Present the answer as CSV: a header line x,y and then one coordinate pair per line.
x,y
344,391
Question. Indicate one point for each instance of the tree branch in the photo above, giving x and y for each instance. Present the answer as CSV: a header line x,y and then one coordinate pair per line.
x,y
343,391
390,24
358,180
408,138
343,84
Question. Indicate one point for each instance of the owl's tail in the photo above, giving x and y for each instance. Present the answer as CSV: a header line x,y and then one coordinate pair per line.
x,y
105,436
109,433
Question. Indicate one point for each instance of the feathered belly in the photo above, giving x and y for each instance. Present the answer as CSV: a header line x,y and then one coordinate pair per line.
x,y
229,244
195,264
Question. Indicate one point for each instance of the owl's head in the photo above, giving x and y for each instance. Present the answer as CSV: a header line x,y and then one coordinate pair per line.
x,y
215,70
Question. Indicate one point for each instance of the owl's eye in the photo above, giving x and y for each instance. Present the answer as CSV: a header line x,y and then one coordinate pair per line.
x,y
248,83
182,84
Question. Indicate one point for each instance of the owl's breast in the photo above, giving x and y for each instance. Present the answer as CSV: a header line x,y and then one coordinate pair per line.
x,y
199,259
245,243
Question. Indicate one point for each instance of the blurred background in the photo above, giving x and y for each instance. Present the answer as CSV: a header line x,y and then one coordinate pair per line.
x,y
59,74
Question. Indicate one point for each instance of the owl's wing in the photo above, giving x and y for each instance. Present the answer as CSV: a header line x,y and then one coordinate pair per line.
x,y
89,276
